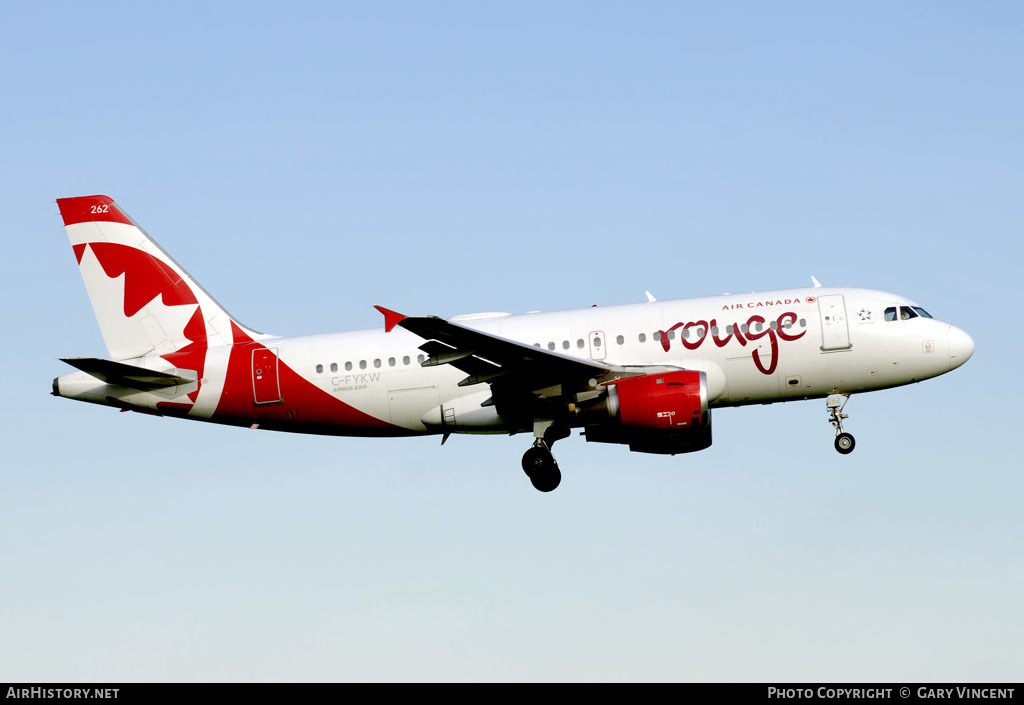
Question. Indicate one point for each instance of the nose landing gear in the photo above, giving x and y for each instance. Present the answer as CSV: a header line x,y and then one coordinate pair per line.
x,y
835,403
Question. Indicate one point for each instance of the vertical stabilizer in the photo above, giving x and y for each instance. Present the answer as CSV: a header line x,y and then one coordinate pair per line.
x,y
146,304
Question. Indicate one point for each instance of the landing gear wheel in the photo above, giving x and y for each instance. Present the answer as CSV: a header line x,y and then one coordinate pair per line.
x,y
548,480
845,443
540,466
535,460
834,404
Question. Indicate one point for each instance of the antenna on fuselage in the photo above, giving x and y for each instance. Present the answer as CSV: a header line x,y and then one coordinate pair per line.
x,y
650,297
817,284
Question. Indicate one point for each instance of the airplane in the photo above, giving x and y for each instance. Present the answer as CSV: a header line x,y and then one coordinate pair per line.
x,y
644,375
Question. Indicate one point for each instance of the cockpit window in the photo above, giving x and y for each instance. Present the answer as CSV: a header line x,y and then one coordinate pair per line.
x,y
905,313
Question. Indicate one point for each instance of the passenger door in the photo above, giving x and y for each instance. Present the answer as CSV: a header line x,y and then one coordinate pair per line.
x,y
835,331
265,386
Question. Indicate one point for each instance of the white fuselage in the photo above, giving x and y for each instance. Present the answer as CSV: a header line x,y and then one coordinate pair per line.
x,y
755,348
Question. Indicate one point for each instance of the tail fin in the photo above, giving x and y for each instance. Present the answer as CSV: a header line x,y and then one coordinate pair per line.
x,y
145,302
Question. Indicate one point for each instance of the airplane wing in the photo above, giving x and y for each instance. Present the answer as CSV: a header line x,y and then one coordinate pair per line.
x,y
490,358
126,375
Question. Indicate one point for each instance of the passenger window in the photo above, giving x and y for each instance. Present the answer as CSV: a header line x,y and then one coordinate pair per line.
x,y
671,335
405,360
348,366
376,362
565,345
597,341
642,338
551,345
334,367
319,369
362,364
580,343
421,359
620,340
686,333
803,322
391,362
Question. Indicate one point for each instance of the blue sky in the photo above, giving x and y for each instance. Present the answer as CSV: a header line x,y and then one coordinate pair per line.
x,y
307,161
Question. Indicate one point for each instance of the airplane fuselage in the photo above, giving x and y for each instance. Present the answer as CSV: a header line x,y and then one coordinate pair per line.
x,y
755,348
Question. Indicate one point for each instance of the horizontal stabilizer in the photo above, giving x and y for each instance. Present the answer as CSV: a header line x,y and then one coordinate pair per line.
x,y
127,375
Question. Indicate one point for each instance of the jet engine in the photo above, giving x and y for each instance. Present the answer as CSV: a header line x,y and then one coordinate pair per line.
x,y
666,412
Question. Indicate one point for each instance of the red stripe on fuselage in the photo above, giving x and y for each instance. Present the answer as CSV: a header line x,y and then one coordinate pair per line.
x,y
303,402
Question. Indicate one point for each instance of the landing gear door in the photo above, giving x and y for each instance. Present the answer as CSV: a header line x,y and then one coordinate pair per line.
x,y
835,332
597,345
265,386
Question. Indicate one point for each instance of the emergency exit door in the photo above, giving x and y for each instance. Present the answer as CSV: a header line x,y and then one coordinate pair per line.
x,y
265,386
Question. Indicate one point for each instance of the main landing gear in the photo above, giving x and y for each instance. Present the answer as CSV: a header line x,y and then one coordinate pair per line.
x,y
541,468
538,462
835,403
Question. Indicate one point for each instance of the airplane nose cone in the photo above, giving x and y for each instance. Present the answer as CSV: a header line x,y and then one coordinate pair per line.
x,y
961,347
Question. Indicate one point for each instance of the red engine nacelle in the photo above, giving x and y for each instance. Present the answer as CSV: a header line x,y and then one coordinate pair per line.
x,y
669,401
